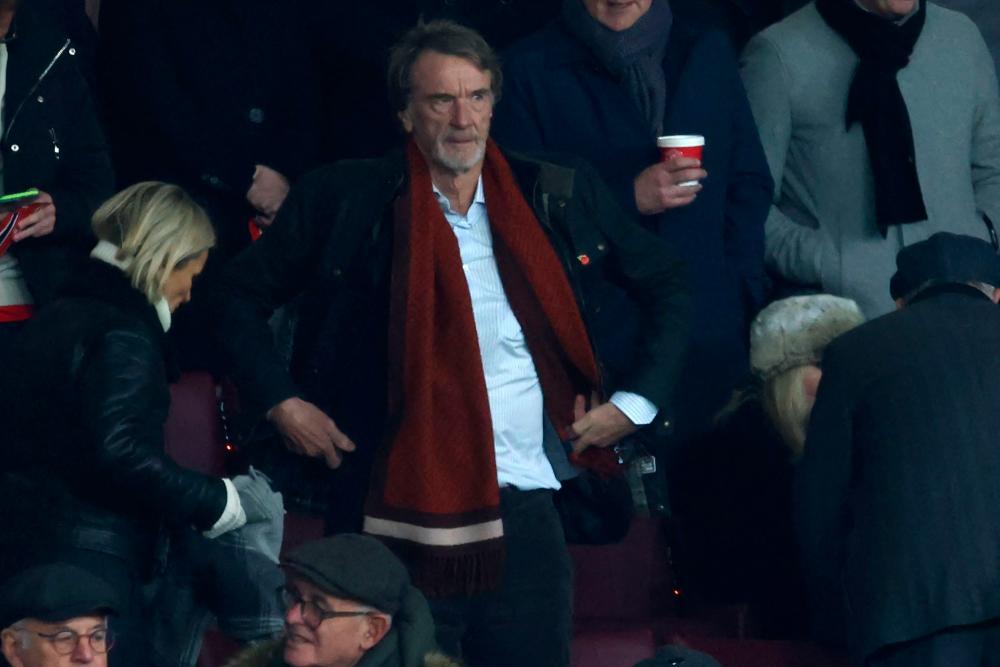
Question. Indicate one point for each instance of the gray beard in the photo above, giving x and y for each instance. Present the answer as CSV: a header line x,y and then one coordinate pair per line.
x,y
456,165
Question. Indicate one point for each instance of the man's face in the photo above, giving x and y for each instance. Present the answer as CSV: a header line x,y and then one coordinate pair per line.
x,y
890,9
24,648
337,642
617,15
449,112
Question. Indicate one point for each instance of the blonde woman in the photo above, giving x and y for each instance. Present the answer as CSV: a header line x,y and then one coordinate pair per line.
x,y
734,497
85,478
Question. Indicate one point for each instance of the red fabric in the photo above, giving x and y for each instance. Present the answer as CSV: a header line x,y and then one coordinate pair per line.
x,y
438,470
16,313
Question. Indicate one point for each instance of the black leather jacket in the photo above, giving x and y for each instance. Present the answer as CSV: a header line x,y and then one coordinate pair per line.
x,y
87,397
52,141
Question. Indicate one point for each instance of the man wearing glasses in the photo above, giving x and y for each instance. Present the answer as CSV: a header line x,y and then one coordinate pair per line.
x,y
349,602
56,615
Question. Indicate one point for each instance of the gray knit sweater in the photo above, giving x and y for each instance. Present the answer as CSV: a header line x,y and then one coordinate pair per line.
x,y
821,230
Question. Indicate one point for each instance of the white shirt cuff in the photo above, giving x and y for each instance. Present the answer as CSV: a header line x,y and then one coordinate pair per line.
x,y
639,410
232,517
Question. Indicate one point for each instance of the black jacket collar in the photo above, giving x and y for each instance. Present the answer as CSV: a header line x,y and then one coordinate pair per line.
x,y
99,281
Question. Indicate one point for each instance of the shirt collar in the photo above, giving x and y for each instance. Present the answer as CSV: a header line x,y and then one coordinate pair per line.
x,y
478,198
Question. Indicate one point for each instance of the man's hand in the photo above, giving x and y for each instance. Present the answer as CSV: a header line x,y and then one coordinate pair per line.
x,y
657,188
308,430
267,193
604,425
39,223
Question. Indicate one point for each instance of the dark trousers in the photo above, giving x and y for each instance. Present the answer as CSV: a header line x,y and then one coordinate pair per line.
x,y
964,646
528,621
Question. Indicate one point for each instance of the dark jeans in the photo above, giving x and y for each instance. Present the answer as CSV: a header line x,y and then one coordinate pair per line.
x,y
964,646
528,621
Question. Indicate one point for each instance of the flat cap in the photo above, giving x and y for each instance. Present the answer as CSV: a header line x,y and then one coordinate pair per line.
x,y
944,258
54,592
794,331
353,567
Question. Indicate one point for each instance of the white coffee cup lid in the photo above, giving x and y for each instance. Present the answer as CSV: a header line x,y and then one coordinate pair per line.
x,y
680,141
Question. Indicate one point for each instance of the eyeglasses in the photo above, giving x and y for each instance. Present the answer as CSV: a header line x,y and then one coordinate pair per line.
x,y
65,641
312,614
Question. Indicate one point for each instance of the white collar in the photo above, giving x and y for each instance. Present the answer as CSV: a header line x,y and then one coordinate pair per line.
x,y
107,252
478,198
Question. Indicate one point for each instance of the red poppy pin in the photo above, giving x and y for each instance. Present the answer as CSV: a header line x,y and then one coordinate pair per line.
x,y
583,259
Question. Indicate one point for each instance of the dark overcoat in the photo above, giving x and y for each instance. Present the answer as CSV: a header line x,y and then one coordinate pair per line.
x,y
557,97
896,498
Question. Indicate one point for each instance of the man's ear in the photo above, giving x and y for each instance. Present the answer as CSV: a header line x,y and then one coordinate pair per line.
x,y
406,119
8,644
378,627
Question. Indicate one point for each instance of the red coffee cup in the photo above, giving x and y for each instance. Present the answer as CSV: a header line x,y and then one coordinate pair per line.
x,y
686,145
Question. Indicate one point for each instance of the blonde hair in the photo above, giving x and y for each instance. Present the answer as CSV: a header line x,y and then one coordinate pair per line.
x,y
157,228
786,403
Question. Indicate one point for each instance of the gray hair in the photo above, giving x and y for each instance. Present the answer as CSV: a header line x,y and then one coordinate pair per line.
x,y
157,228
445,37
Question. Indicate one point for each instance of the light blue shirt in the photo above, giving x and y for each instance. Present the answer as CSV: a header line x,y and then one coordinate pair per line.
x,y
512,386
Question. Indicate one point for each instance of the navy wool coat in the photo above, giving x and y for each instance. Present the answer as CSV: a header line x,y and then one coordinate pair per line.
x,y
557,97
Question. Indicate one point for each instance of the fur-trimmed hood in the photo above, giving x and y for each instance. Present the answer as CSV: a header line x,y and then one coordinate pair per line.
x,y
268,654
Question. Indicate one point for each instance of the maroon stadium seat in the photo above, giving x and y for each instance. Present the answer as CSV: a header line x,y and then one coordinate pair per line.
x,y
621,648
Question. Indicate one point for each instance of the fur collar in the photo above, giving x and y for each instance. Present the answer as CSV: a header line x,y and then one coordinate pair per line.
x,y
268,654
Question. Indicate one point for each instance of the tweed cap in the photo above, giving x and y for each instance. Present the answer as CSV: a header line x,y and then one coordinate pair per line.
x,y
795,331
353,567
944,258
54,592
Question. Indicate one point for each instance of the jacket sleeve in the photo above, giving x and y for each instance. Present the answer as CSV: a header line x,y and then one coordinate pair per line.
x,y
115,385
985,144
85,177
748,199
643,266
795,251
820,496
253,285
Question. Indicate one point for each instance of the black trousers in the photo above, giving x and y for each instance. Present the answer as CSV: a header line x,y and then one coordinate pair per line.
x,y
964,646
528,621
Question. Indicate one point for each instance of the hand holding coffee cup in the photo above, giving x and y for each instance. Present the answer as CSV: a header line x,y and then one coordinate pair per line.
x,y
674,181
683,145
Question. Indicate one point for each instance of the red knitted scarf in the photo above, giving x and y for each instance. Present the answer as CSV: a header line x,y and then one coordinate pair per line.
x,y
434,495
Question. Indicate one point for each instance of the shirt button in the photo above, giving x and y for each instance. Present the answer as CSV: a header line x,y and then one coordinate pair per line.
x,y
256,115
666,424
465,267
14,148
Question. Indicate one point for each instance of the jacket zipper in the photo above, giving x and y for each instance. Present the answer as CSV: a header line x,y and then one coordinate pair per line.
x,y
41,77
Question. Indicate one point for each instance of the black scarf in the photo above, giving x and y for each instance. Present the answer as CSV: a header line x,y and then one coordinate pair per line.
x,y
875,101
634,56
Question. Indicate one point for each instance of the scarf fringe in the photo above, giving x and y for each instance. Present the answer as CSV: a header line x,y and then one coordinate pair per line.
x,y
443,575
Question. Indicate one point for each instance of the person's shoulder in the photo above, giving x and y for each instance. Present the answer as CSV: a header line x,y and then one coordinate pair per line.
x,y
536,54
797,29
349,180
938,16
